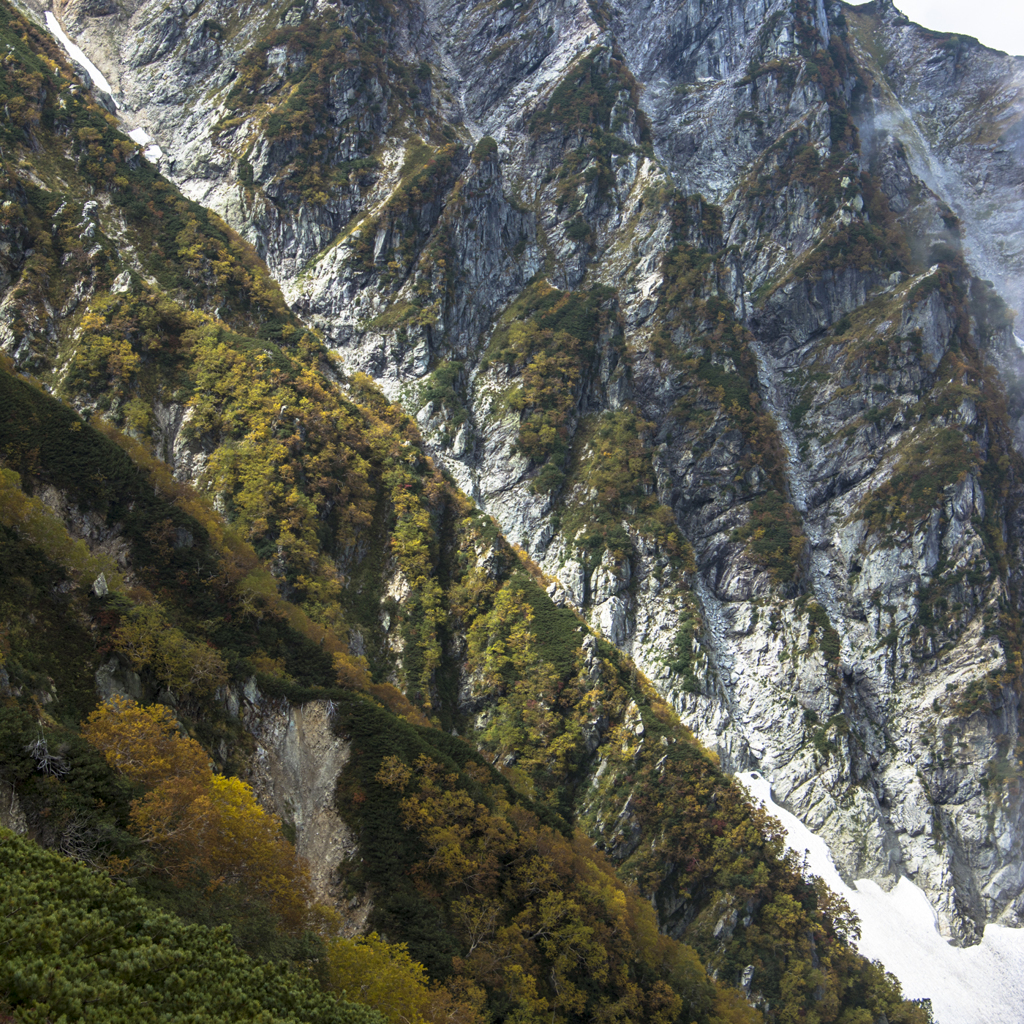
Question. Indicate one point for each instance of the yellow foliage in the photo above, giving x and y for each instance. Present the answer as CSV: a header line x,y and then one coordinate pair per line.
x,y
381,975
184,666
196,820
38,525
143,743
394,773
503,654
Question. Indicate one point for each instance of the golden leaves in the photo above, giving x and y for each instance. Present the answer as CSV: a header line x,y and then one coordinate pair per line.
x,y
143,742
198,821
394,773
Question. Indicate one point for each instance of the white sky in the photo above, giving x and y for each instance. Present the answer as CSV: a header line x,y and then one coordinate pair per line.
x,y
996,23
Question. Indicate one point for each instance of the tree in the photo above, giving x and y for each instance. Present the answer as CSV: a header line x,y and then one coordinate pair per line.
x,y
242,844
184,666
381,975
199,822
143,742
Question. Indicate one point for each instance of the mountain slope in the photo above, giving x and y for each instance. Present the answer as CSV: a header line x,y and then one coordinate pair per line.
x,y
326,642
767,375
691,312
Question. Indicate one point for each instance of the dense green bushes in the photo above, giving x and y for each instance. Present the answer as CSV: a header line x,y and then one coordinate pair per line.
x,y
774,536
931,462
613,482
583,100
78,946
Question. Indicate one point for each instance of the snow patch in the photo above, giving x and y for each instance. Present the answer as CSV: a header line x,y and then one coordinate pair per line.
x,y
76,54
982,984
1020,342
152,152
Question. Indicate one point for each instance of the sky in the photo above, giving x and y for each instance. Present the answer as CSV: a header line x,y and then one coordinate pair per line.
x,y
997,23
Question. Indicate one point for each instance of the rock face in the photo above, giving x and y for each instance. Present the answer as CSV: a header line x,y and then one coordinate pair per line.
x,y
294,771
11,814
704,303
954,107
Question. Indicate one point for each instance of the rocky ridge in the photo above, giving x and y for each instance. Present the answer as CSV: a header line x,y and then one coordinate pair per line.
x,y
809,357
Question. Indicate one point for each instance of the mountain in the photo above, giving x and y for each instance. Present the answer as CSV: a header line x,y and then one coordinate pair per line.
x,y
704,303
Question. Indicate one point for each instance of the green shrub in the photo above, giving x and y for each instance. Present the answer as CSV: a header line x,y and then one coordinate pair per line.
x,y
485,149
774,536
78,946
828,639
926,466
577,230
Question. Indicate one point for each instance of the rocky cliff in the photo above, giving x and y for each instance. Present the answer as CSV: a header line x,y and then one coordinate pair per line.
x,y
705,304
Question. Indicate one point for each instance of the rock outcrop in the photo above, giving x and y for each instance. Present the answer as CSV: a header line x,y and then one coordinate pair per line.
x,y
705,303
294,771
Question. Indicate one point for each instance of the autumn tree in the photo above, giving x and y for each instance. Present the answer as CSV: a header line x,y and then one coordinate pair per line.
x,y
543,918
505,659
384,976
151,644
381,975
197,821
143,742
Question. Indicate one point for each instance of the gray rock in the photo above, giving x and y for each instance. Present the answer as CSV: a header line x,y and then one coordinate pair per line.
x,y
873,748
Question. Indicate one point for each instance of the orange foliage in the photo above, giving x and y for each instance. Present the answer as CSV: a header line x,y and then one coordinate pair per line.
x,y
196,820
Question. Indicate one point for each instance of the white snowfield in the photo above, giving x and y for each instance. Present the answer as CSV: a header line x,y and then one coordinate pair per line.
x,y
76,54
152,152
983,984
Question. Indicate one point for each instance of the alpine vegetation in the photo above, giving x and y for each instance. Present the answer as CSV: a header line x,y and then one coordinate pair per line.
x,y
444,444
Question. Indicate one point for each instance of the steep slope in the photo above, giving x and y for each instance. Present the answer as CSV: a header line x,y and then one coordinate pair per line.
x,y
968,148
800,380
327,619
81,946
